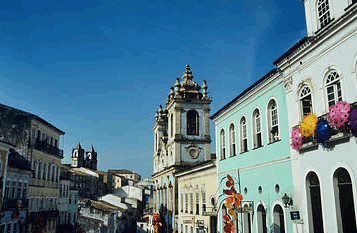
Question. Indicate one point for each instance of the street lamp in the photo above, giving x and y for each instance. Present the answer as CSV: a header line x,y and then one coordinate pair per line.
x,y
287,200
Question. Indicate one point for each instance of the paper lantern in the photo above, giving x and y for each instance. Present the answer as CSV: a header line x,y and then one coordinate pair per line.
x,y
296,138
338,114
322,132
308,125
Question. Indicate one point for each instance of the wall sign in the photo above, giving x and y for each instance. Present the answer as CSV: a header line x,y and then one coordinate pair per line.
x,y
295,215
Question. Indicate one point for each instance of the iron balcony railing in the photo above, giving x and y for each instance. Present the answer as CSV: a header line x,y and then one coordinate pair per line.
x,y
46,147
209,211
335,132
10,204
53,213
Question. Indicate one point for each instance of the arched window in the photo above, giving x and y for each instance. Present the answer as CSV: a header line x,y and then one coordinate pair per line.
x,y
279,219
172,125
345,210
232,140
224,212
305,100
257,137
53,173
323,10
223,144
192,122
186,202
243,135
333,88
191,202
156,141
182,200
40,167
261,219
247,224
273,123
314,203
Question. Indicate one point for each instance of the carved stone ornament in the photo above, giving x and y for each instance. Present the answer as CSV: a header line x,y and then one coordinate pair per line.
x,y
193,150
288,82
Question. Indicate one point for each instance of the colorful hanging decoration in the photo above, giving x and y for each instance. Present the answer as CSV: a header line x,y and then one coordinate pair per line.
x,y
322,132
296,138
156,222
352,122
338,113
308,124
229,225
232,203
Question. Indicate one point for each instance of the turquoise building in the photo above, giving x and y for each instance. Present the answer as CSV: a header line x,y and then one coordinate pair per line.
x,y
253,147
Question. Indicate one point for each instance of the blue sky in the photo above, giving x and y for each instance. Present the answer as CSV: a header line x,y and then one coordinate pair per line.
x,y
98,69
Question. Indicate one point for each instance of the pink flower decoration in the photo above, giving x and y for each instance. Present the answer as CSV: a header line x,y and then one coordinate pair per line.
x,y
339,113
296,138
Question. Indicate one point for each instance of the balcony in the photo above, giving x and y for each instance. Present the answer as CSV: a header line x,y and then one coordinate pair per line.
x,y
18,161
210,211
10,204
37,182
54,213
337,134
46,147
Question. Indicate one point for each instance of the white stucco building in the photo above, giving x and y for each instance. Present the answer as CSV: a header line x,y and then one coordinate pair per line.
x,y
318,71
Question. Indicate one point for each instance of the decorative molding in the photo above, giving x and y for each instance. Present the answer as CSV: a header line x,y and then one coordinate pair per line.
x,y
193,150
288,82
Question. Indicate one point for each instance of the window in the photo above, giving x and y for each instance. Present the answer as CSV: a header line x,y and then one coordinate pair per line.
x,y
186,202
333,88
19,189
34,169
191,203
344,201
232,140
261,219
223,144
182,202
305,100
24,191
278,218
314,203
247,225
53,173
323,10
39,171
8,228
14,229
7,190
13,190
203,201
273,121
257,137
224,212
172,125
197,204
243,136
192,122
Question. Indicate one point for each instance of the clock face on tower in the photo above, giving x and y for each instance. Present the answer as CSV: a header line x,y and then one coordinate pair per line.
x,y
193,150
193,153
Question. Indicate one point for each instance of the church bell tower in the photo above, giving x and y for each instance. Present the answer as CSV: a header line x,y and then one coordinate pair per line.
x,y
181,129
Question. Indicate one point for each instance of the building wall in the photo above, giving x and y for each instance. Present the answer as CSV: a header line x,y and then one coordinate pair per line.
x,y
335,50
265,166
199,182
